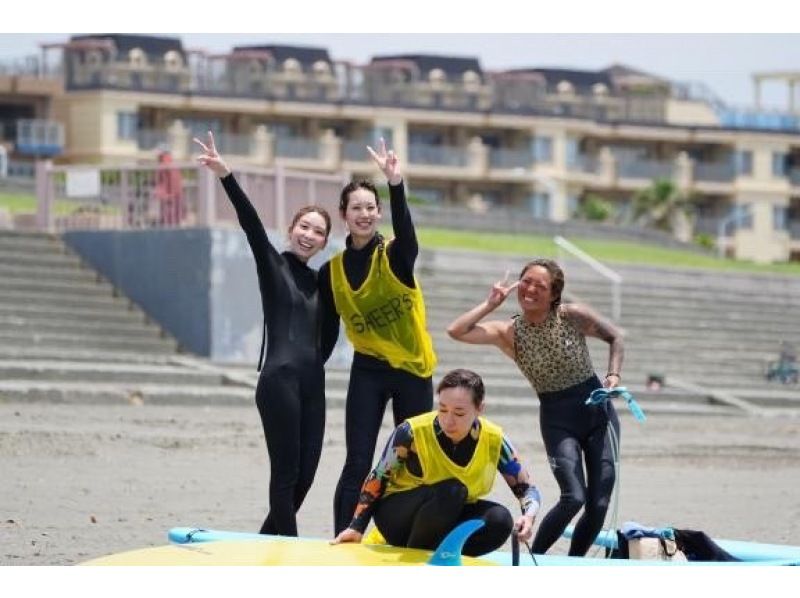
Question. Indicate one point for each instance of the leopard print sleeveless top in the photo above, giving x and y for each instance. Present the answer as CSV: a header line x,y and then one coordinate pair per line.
x,y
552,355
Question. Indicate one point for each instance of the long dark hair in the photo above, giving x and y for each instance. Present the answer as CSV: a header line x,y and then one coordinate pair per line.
x,y
556,277
344,196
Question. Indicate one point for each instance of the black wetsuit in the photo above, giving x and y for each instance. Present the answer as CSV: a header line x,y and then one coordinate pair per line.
x,y
554,357
373,381
574,432
291,388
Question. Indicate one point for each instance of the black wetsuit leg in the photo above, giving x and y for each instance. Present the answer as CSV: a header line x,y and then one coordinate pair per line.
x,y
601,478
292,409
572,432
422,517
367,394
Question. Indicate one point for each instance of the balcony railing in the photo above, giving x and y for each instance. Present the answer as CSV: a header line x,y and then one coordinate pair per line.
x,y
510,158
297,147
584,163
149,139
794,176
354,150
644,169
231,144
438,155
794,229
716,172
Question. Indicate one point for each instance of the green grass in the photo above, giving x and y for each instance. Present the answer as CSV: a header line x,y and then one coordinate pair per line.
x,y
622,252
20,203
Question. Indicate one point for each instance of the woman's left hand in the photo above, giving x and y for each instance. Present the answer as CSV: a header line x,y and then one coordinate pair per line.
x,y
524,527
388,162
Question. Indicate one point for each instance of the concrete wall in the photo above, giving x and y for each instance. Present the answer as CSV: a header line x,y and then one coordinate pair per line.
x,y
200,285
165,272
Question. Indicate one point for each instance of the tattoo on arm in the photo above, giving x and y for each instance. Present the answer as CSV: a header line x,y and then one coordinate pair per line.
x,y
593,325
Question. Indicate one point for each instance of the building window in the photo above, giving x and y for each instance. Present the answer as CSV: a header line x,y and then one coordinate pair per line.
x,y
137,57
744,163
173,60
780,217
432,196
472,80
293,66
127,125
386,132
425,138
93,58
542,148
199,127
742,217
437,76
565,88
572,151
573,205
321,68
778,164
539,204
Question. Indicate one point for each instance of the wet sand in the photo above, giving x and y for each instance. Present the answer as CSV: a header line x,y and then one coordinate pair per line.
x,y
82,481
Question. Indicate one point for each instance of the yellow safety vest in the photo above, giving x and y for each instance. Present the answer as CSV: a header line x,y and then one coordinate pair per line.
x,y
384,318
477,475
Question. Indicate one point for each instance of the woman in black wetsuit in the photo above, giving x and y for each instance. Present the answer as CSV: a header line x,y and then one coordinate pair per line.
x,y
371,287
291,388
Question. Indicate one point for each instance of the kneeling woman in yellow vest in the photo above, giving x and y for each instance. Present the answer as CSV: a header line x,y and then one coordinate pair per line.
x,y
435,469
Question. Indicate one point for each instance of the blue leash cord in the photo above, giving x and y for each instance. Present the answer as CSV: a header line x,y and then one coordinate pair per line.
x,y
601,395
598,397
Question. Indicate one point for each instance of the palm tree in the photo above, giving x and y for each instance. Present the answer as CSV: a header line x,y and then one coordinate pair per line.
x,y
664,207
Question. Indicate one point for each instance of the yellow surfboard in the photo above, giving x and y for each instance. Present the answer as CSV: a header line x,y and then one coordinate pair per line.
x,y
278,552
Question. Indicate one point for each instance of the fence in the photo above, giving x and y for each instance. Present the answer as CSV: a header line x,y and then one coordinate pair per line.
x,y
176,195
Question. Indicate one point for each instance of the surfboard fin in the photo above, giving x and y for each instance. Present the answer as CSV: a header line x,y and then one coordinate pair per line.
x,y
448,554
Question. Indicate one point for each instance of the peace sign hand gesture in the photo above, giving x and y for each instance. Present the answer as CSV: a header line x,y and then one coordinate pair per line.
x,y
388,162
211,157
500,291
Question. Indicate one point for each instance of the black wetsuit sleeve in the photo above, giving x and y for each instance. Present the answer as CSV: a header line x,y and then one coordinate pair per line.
x,y
266,256
404,249
329,317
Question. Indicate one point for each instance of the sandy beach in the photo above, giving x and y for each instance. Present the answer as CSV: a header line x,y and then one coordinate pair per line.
x,y
82,481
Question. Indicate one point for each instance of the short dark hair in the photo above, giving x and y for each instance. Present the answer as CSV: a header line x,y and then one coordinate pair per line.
x,y
311,209
556,277
344,196
461,378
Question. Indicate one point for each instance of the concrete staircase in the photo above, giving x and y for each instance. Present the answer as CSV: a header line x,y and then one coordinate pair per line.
x,y
66,336
711,335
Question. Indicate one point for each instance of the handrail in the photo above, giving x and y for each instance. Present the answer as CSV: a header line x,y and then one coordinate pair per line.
x,y
606,272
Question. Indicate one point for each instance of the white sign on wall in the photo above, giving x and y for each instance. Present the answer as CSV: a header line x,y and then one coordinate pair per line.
x,y
83,183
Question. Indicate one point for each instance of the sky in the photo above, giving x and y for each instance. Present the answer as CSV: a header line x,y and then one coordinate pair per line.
x,y
697,49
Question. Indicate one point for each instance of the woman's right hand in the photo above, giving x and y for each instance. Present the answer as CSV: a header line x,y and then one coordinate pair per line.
x,y
348,535
500,291
211,157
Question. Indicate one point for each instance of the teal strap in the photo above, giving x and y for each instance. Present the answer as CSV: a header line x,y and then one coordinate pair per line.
x,y
601,395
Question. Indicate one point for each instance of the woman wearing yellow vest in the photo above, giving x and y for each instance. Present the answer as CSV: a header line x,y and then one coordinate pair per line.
x,y
372,288
435,469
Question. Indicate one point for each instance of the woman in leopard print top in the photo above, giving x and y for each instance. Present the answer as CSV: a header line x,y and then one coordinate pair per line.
x,y
547,341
